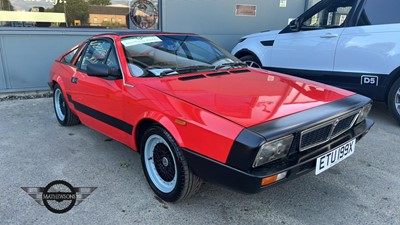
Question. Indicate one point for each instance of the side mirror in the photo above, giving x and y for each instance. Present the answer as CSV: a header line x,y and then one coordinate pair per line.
x,y
102,70
294,25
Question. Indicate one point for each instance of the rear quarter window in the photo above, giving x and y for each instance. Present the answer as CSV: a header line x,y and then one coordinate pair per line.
x,y
69,58
377,12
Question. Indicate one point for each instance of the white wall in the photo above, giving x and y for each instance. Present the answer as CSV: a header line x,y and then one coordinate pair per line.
x,y
216,19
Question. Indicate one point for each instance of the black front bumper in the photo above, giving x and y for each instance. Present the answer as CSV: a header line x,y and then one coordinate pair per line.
x,y
250,181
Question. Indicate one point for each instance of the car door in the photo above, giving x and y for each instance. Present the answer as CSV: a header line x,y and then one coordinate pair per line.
x,y
311,44
98,100
368,52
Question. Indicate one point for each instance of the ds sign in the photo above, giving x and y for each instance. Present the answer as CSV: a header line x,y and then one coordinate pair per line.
x,y
369,80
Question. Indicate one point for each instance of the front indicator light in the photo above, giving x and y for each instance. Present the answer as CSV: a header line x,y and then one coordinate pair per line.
x,y
180,122
364,113
269,180
273,150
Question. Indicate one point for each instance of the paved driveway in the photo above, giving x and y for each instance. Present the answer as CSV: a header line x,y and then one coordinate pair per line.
x,y
35,150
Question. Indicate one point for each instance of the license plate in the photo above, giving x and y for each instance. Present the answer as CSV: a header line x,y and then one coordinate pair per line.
x,y
335,156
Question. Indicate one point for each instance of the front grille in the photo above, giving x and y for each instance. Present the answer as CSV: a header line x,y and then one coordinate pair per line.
x,y
324,132
344,124
319,135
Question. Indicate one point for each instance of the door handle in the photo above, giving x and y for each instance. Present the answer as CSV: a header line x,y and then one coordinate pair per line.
x,y
329,35
74,80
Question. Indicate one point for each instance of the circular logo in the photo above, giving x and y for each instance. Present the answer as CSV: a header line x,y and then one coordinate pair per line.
x,y
143,14
59,196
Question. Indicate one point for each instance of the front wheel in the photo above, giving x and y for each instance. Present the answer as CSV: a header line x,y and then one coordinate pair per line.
x,y
394,100
165,167
251,61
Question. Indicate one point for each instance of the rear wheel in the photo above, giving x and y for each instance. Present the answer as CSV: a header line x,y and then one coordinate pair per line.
x,y
64,115
251,61
165,167
394,100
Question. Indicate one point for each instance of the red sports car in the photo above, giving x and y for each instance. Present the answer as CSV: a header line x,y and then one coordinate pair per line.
x,y
194,112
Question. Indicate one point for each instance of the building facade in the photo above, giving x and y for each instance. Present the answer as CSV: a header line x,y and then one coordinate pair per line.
x,y
111,16
30,42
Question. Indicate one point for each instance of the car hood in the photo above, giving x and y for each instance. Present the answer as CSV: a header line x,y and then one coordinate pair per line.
x,y
267,35
248,96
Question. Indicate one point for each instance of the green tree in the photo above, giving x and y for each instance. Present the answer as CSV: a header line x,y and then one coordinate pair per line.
x,y
75,10
6,5
99,2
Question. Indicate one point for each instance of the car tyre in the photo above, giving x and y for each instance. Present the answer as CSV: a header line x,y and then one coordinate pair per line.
x,y
165,167
394,100
251,61
63,113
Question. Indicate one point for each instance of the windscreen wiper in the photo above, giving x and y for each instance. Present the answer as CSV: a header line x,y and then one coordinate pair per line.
x,y
231,65
186,69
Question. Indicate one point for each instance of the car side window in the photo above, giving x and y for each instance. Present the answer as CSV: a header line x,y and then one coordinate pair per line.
x,y
332,15
97,52
68,58
377,12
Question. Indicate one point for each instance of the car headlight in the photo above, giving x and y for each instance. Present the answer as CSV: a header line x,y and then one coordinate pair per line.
x,y
364,113
273,150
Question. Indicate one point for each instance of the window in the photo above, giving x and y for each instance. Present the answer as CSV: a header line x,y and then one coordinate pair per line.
x,y
158,53
132,14
380,12
68,58
200,50
331,15
112,61
98,52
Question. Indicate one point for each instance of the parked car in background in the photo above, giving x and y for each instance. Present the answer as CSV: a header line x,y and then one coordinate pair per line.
x,y
352,44
194,112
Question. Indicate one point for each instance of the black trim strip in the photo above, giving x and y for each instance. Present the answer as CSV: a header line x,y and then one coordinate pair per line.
x,y
268,43
112,121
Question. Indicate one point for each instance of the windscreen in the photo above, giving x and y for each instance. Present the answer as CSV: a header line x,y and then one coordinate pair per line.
x,y
157,55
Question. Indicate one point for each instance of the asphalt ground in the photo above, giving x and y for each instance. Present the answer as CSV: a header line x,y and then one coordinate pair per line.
x,y
35,150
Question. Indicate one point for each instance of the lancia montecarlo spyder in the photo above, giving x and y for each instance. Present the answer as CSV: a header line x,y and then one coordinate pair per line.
x,y
194,112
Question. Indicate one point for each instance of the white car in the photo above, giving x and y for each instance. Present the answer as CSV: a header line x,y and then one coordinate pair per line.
x,y
352,44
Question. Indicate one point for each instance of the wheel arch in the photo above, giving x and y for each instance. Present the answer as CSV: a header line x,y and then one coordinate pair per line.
x,y
393,77
245,52
161,120
58,81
